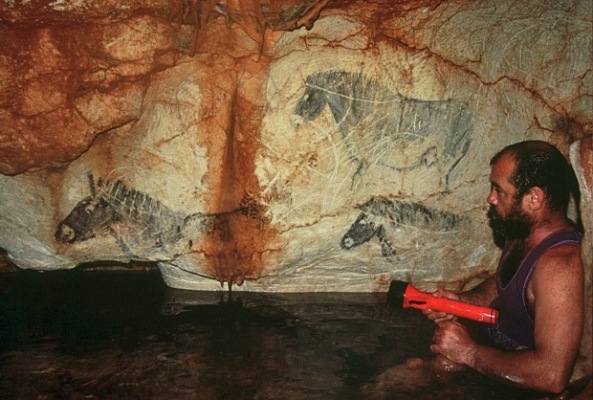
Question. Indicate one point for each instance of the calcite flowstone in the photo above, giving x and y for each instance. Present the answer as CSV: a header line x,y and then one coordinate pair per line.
x,y
280,154
581,156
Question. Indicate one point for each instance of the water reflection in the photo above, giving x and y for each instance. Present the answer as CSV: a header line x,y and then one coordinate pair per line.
x,y
79,334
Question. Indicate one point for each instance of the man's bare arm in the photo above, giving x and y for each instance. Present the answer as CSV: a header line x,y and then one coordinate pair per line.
x,y
557,289
481,295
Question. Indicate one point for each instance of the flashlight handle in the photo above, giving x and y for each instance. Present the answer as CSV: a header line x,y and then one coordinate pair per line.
x,y
464,310
416,299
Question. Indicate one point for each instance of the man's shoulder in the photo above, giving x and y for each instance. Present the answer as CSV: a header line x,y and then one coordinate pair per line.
x,y
558,271
564,257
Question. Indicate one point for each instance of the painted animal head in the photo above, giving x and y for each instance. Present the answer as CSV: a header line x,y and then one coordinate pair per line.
x,y
320,88
310,105
86,218
361,231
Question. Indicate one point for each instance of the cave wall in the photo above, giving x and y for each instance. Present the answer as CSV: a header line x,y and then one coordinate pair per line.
x,y
307,146
581,156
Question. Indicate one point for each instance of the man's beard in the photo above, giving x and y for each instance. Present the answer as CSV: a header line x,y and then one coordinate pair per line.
x,y
516,225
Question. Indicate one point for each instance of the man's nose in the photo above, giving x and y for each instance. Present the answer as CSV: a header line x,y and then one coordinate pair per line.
x,y
491,199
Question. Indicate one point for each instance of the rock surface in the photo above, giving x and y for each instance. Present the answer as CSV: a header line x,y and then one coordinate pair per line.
x,y
307,147
581,156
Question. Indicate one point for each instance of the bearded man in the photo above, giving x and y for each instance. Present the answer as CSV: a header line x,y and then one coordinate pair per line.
x,y
539,284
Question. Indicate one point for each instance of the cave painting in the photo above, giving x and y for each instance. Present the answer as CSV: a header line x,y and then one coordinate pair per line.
x,y
381,218
132,217
380,127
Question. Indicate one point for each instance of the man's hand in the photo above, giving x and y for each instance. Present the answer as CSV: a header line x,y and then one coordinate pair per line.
x,y
438,316
452,340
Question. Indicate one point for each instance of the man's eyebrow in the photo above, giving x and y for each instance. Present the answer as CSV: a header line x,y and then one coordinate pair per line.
x,y
496,185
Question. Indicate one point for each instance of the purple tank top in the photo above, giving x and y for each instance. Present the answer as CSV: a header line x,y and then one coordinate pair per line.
x,y
515,326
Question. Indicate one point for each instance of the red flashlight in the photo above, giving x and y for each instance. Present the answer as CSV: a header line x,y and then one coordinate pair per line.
x,y
403,294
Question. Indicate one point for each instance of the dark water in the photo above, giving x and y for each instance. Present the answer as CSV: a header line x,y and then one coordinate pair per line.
x,y
124,335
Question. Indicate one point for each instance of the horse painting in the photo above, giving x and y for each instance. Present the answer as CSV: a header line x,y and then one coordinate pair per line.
x,y
381,218
134,218
380,127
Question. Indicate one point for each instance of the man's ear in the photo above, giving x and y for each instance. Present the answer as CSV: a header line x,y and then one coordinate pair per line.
x,y
535,198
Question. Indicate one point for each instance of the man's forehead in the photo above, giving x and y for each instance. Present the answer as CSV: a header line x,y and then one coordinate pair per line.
x,y
503,168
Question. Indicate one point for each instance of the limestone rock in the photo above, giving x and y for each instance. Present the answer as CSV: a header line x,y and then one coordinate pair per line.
x,y
64,85
581,156
276,153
